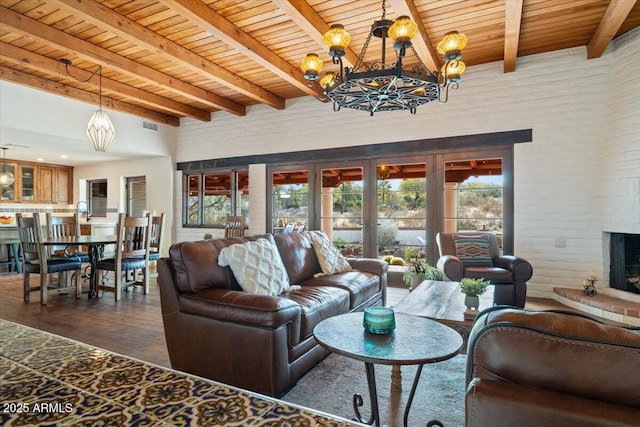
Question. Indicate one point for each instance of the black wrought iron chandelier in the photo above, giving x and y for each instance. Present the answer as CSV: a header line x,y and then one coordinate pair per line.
x,y
377,86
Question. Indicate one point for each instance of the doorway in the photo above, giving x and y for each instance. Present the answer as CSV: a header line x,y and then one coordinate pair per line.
x,y
136,196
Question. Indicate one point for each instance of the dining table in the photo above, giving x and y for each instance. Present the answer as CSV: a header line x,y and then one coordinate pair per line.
x,y
95,244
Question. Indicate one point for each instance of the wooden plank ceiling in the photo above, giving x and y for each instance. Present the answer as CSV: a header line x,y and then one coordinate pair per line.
x,y
167,59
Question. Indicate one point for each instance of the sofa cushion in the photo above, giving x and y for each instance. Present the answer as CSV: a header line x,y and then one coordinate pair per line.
x,y
298,256
317,304
330,258
361,286
473,250
256,266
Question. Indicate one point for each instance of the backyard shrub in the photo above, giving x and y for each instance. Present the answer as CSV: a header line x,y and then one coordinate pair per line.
x,y
396,261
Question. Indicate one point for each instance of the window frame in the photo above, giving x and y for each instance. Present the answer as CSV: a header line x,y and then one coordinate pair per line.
x,y
235,195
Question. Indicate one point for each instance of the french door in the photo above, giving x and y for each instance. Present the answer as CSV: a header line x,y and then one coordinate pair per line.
x,y
382,206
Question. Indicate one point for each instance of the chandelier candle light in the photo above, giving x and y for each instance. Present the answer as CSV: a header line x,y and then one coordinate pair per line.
x,y
377,86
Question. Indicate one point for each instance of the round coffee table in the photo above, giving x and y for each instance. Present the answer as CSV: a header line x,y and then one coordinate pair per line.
x,y
415,341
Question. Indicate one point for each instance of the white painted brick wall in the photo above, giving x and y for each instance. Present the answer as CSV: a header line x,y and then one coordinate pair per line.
x,y
578,178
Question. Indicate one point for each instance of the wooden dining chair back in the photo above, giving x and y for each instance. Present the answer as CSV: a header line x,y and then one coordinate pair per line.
x,y
65,226
234,226
155,244
132,255
36,261
157,225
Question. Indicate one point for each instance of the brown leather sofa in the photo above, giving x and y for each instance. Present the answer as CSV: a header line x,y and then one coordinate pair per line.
x,y
551,368
262,343
508,273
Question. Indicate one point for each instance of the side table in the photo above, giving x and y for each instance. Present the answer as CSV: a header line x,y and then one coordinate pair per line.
x,y
415,341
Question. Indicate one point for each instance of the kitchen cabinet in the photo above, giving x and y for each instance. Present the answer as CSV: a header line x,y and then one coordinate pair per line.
x,y
39,183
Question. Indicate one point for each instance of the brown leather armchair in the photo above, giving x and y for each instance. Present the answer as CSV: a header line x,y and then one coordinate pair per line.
x,y
551,368
508,273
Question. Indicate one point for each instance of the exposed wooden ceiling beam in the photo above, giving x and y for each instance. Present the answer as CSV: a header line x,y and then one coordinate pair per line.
x,y
613,18
90,52
214,23
421,42
46,65
512,21
40,83
303,15
103,17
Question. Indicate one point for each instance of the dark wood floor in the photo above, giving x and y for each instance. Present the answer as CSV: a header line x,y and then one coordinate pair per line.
x,y
132,326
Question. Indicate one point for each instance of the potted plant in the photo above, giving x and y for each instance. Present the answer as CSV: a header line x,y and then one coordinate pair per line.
x,y
414,267
473,288
417,269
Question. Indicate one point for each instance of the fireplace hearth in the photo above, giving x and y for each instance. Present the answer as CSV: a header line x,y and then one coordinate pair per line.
x,y
624,273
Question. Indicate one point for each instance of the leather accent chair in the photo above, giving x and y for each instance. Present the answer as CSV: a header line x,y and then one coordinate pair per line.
x,y
551,368
508,273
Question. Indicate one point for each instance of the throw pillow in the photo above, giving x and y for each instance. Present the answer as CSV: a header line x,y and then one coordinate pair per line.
x,y
330,259
473,250
257,267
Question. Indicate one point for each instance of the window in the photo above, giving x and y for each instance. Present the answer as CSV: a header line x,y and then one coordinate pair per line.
x,y
473,195
97,197
211,196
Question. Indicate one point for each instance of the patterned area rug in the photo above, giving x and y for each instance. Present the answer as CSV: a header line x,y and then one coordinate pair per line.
x,y
330,386
47,380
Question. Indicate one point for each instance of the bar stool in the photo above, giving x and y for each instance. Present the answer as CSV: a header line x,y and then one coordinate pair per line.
x,y
13,261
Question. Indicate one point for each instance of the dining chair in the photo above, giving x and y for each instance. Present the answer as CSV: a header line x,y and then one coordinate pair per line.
x,y
65,226
36,261
289,228
132,254
234,226
157,225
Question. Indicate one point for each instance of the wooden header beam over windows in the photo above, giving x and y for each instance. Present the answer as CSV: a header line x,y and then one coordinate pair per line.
x,y
372,151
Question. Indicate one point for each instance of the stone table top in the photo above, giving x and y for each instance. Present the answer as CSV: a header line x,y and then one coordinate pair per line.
x,y
416,340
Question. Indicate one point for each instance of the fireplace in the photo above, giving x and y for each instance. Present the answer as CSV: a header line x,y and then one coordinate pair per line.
x,y
624,273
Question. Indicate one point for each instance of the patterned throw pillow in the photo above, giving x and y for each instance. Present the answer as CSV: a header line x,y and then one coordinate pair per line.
x,y
257,267
330,258
473,251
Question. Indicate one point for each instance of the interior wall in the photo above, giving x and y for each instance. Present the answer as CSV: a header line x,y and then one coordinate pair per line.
x,y
559,178
159,173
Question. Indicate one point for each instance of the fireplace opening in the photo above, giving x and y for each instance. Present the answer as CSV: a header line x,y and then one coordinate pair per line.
x,y
624,273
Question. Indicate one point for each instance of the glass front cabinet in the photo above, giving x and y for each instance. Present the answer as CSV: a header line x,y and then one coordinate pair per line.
x,y
38,183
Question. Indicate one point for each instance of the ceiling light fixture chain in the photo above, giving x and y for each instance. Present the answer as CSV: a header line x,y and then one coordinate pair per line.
x,y
68,62
99,129
376,86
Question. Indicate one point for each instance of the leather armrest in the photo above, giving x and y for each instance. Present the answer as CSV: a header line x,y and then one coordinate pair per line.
x,y
452,267
521,268
369,265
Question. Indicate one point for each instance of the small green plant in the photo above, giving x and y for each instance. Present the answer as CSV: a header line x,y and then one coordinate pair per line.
x,y
339,243
473,287
208,236
432,273
387,258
